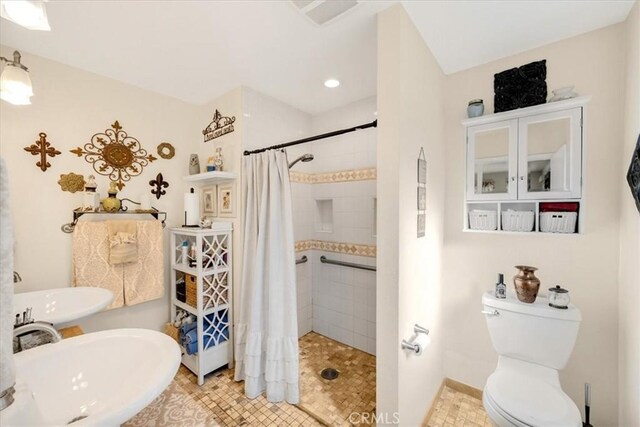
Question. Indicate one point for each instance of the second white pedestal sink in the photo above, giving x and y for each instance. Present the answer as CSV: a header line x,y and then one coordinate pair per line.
x,y
62,305
98,379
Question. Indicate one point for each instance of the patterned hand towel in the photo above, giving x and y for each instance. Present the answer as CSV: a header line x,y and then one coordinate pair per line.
x,y
144,279
123,246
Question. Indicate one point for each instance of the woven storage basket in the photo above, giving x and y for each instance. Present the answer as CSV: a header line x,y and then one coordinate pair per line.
x,y
558,222
172,331
517,220
483,220
191,284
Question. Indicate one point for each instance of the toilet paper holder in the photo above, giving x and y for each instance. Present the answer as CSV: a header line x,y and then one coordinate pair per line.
x,y
411,344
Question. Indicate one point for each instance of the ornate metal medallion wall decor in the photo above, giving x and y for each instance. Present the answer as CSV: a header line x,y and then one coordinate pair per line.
x,y
43,148
71,182
166,150
520,87
633,174
219,126
115,154
160,184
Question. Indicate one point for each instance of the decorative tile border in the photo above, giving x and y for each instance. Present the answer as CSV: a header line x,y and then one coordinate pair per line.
x,y
367,174
339,247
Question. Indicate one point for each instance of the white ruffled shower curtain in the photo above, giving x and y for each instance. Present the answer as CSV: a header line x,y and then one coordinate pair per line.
x,y
267,329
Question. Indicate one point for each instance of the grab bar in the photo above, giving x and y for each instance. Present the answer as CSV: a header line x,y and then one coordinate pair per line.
x,y
302,260
325,260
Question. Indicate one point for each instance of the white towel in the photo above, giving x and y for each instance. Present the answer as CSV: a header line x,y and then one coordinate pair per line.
x,y
7,369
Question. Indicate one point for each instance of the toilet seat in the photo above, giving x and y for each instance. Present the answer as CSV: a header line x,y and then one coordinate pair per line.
x,y
524,400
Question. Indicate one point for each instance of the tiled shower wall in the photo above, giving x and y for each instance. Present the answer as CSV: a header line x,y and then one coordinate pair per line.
x,y
335,301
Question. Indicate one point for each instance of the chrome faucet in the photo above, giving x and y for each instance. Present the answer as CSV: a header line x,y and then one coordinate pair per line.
x,y
16,277
38,326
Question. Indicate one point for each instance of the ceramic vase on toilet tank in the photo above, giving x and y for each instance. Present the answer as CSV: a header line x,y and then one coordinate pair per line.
x,y
526,283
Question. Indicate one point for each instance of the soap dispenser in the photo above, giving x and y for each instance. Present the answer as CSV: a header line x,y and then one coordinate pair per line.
x,y
501,288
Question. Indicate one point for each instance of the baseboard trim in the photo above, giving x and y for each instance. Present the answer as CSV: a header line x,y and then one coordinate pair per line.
x,y
454,385
463,388
433,403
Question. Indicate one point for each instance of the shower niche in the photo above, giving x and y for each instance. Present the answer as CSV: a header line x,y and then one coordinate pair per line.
x,y
324,216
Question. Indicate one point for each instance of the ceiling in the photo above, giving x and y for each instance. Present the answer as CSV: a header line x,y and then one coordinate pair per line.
x,y
464,34
198,50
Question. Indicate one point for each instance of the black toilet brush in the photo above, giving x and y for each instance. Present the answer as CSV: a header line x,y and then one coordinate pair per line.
x,y
587,405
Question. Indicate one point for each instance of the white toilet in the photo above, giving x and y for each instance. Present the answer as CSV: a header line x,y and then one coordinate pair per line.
x,y
533,342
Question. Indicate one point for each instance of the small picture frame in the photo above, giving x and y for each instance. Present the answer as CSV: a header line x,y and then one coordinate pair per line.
x,y
226,201
422,167
422,198
421,224
210,201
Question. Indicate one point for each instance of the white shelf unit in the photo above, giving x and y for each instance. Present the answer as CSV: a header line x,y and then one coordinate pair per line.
x,y
513,149
214,309
210,178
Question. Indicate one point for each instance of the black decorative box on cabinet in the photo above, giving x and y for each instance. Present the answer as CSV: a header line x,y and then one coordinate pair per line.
x,y
520,87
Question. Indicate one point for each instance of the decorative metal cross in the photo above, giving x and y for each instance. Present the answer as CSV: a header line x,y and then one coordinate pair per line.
x,y
43,148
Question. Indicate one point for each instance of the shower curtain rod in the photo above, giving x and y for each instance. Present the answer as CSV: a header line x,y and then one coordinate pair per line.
x,y
373,124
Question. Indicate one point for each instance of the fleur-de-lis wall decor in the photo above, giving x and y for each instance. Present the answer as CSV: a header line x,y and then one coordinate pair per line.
x,y
159,185
42,148
115,154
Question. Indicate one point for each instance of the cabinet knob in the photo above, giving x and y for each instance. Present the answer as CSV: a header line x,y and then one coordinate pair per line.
x,y
513,178
522,178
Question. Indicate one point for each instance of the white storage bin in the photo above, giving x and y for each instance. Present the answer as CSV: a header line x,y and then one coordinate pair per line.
x,y
558,222
517,220
483,220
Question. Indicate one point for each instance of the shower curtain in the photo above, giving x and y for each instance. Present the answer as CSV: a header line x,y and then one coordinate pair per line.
x,y
267,329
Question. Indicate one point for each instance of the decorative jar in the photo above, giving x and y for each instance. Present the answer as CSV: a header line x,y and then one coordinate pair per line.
x,y
475,108
559,297
526,283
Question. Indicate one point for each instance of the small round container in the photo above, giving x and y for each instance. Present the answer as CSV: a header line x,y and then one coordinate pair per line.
x,y
475,108
559,297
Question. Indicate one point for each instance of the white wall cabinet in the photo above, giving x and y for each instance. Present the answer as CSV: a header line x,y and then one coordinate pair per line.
x,y
523,160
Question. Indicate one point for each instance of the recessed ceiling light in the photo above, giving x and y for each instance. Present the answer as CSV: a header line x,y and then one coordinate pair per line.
x,y
332,83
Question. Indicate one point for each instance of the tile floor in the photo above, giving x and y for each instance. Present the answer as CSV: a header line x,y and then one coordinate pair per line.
x,y
455,408
332,401
221,401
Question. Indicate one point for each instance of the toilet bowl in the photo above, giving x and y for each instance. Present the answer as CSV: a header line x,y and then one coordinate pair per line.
x,y
533,341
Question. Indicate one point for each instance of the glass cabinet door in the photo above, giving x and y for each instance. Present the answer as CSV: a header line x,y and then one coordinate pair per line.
x,y
492,161
550,157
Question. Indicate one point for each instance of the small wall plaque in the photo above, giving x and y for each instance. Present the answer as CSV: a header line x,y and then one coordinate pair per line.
x,y
71,182
219,126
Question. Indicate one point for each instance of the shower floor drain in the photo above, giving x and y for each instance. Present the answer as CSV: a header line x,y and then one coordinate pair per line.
x,y
329,374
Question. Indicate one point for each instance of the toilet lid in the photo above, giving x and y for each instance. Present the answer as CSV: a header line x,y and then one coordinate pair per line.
x,y
531,401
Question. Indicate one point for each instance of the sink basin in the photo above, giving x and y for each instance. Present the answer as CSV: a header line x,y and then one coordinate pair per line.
x,y
98,379
62,305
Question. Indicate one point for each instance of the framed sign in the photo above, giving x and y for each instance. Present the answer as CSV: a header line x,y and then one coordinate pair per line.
x,y
421,224
422,168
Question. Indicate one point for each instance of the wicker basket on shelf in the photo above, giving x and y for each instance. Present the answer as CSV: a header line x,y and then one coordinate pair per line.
x,y
172,331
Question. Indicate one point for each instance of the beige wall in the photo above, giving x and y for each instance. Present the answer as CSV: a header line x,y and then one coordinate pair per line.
x,y
629,290
229,104
585,264
410,100
71,105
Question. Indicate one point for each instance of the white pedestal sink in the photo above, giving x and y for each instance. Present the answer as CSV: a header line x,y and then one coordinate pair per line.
x,y
62,305
98,379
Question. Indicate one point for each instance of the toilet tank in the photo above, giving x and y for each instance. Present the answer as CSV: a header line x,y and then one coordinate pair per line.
x,y
534,332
